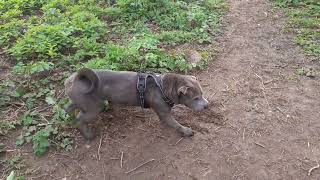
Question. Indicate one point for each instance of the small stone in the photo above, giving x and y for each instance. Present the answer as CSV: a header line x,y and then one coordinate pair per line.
x,y
193,56
310,73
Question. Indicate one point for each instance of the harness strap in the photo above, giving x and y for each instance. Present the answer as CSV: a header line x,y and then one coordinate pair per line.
x,y
141,87
142,84
164,97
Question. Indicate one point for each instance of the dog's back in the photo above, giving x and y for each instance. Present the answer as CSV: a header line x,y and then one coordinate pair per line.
x,y
113,86
118,87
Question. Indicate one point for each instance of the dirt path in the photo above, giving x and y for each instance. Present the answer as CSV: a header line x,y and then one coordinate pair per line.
x,y
272,122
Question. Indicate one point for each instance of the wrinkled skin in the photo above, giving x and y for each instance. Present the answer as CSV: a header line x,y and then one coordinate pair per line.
x,y
88,89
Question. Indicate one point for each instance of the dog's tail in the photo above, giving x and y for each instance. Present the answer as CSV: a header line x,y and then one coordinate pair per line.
x,y
90,75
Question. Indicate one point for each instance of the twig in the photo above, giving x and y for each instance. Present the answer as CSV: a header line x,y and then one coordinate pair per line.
x,y
174,167
40,176
142,129
60,94
178,141
140,116
10,150
280,110
99,148
227,88
35,170
44,124
62,177
41,110
211,97
267,82
263,89
244,130
103,171
139,166
138,172
313,168
118,142
259,144
82,170
121,159
235,85
19,103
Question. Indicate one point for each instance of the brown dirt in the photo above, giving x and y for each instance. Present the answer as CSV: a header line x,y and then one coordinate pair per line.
x,y
263,122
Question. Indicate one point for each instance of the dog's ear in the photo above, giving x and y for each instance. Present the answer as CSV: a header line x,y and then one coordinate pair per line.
x,y
183,90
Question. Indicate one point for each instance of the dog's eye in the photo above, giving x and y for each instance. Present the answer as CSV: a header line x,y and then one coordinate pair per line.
x,y
197,98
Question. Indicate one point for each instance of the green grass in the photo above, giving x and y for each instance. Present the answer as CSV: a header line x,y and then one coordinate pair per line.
x,y
12,167
46,40
304,21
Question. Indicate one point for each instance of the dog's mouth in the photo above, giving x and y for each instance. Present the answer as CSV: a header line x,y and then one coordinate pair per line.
x,y
199,108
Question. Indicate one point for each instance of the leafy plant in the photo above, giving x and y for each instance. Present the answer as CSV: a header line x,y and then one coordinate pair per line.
x,y
52,37
32,68
40,140
48,39
13,165
304,22
13,176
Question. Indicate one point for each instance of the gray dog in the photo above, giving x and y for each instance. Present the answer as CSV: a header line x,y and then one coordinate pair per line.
x,y
88,89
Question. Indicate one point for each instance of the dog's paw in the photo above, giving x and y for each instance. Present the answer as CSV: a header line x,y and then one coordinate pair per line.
x,y
89,134
186,132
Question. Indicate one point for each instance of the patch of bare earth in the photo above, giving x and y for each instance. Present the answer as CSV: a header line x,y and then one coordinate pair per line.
x,y
263,122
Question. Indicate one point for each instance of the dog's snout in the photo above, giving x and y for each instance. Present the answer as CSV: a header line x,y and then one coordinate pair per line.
x,y
206,106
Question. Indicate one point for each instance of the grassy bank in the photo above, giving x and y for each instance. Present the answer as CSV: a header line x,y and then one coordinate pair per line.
x,y
304,20
43,41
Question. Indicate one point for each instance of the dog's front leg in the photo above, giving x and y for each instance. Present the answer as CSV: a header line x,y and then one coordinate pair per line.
x,y
71,107
82,122
164,113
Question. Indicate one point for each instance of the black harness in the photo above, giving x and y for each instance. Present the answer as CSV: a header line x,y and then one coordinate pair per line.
x,y
142,84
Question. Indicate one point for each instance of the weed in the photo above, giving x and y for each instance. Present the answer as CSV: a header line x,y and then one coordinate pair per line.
x,y
13,164
47,37
176,37
304,21
5,126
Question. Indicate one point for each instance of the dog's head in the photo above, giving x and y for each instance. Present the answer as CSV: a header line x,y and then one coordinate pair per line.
x,y
190,94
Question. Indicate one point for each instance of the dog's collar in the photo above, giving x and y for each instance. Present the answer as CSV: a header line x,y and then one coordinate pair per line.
x,y
164,96
142,84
